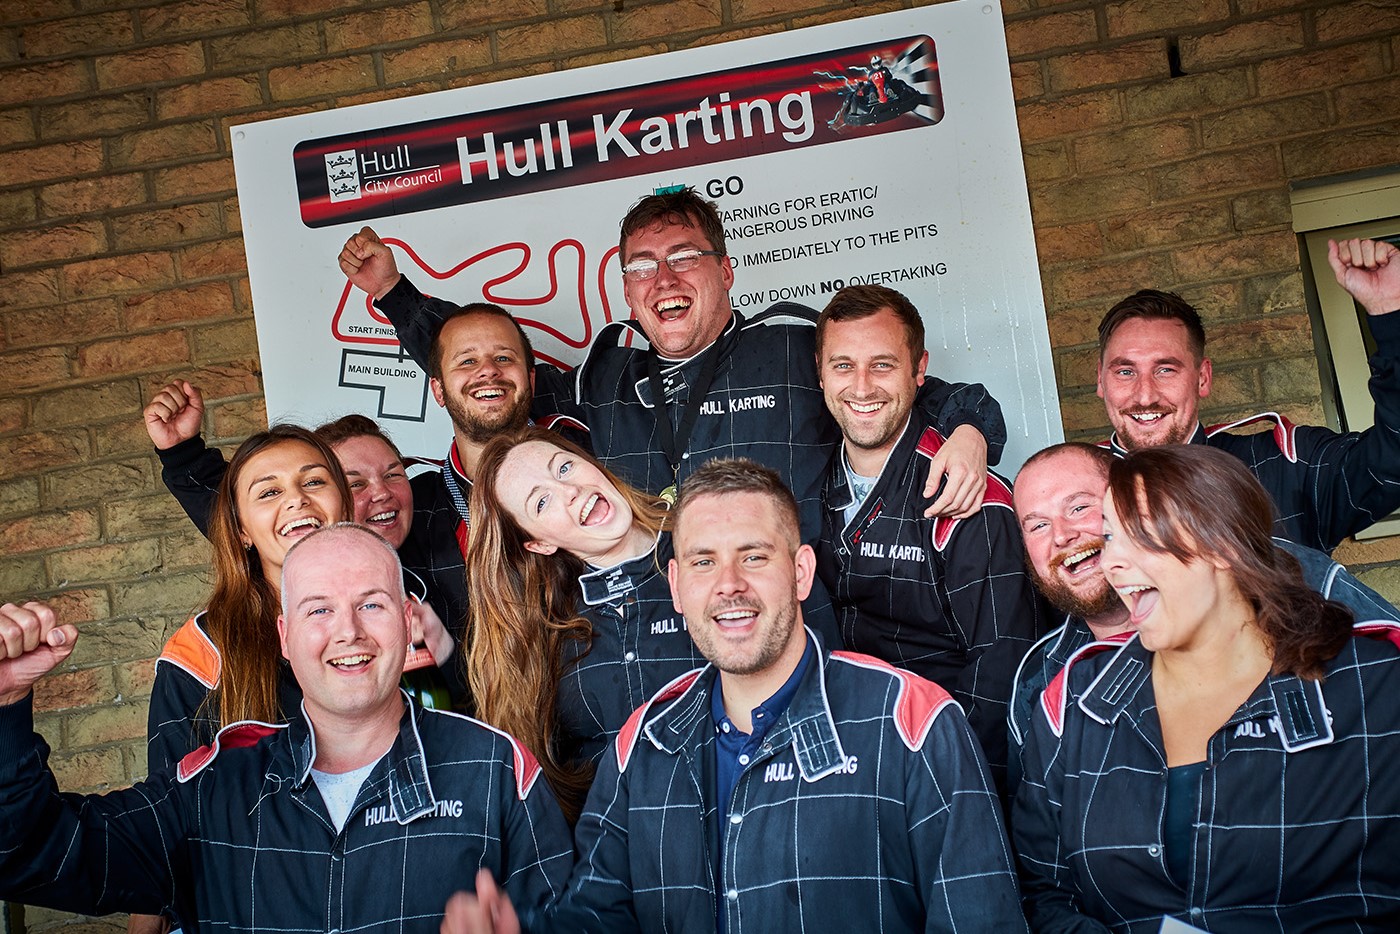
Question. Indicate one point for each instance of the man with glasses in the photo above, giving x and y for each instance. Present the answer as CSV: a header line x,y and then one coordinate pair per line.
x,y
728,385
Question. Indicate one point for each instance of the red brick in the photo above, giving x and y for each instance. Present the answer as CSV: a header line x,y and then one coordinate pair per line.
x,y
1363,103
169,225
31,289
99,194
46,244
1132,61
150,66
34,9
196,17
103,725
13,415
257,49
1046,161
1166,226
266,11
1360,19
436,58
1273,120
1260,337
1076,324
60,690
460,14
1112,277
1044,31
239,419
117,274
212,300
103,563
32,368
132,353
164,144
217,382
16,126
220,343
1068,242
1239,256
1068,116
1274,294
1083,412
658,21
1261,209
1086,198
1076,367
29,84
20,454
1027,80
1134,147
733,35
96,116
1242,42
18,496
1188,95
1218,173
321,78
88,771
98,482
134,679
40,163
1319,70
82,405
77,35
554,37
219,258
17,208
1341,149
215,96
1131,17
382,26
48,530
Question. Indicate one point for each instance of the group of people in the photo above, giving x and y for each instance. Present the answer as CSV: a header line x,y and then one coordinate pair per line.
x,y
777,666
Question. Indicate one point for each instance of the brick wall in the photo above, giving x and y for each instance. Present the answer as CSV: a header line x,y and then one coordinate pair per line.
x,y
1159,138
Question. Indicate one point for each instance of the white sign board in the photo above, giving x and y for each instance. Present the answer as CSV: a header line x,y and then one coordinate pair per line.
x,y
878,150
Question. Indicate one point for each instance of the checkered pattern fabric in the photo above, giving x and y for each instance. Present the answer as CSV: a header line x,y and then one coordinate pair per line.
x,y
1327,486
1298,824
1042,663
640,645
765,402
241,840
868,808
949,601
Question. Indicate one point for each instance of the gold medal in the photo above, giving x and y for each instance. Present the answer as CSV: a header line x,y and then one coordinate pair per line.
x,y
669,495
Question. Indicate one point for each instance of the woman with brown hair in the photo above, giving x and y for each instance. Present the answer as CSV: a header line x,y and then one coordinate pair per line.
x,y
225,665
1232,765
572,622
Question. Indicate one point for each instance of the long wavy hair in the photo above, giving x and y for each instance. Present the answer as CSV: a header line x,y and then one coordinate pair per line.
x,y
241,616
1204,503
524,613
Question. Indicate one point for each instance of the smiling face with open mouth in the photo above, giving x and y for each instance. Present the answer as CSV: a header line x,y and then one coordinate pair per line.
x,y
1059,504
564,502
738,576
681,313
486,384
284,492
379,483
869,379
1171,599
345,630
1151,382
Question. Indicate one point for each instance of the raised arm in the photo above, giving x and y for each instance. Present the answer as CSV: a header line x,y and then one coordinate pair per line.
x,y
190,470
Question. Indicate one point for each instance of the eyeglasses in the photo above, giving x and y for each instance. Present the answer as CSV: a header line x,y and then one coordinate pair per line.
x,y
639,270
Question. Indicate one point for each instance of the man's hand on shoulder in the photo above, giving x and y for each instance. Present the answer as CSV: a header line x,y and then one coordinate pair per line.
x,y
369,264
489,911
1370,272
963,461
174,414
32,643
